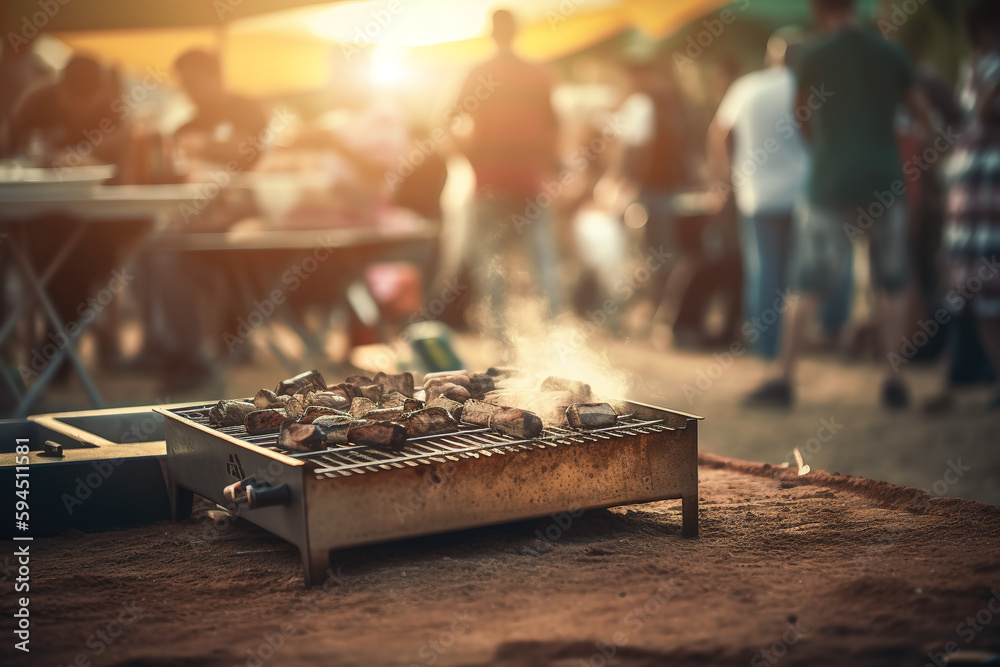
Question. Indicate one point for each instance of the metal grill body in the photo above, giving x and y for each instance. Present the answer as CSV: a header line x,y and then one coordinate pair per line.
x,y
353,496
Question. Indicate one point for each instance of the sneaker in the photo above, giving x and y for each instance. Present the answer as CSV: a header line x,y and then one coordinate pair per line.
x,y
775,393
895,394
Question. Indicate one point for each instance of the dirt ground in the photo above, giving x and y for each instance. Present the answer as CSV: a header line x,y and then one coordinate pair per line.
x,y
815,570
812,570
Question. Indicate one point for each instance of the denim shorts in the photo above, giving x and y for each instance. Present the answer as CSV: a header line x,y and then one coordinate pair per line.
x,y
823,237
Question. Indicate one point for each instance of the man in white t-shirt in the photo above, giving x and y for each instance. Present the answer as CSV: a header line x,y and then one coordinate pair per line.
x,y
767,171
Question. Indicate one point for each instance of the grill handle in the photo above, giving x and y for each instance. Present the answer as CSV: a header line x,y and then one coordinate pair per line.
x,y
268,496
236,492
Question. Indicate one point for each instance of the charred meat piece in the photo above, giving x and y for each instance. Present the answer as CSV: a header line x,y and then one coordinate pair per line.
x,y
380,435
440,374
480,384
296,407
395,398
264,421
371,391
478,412
265,398
229,413
516,423
333,420
329,399
385,414
314,411
460,380
591,415
361,406
549,405
335,428
580,390
403,383
310,378
501,372
359,380
301,437
348,391
429,421
325,431
453,407
449,390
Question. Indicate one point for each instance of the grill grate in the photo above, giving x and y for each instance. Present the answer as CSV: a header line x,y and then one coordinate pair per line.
x,y
469,442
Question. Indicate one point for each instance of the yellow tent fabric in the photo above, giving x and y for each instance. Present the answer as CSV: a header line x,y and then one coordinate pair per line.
x,y
254,64
262,63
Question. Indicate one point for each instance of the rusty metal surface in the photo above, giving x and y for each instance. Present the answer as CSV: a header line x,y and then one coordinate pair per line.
x,y
356,496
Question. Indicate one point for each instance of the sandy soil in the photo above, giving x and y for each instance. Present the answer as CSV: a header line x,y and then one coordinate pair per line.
x,y
814,570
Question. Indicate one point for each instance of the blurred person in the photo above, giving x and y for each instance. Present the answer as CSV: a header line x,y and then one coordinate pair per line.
x,y
657,158
851,81
420,191
767,172
224,134
20,70
72,117
222,121
512,148
64,124
972,229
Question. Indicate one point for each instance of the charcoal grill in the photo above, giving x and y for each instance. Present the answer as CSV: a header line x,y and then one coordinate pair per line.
x,y
353,496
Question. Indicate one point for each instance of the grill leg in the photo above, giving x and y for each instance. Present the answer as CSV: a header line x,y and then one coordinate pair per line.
x,y
315,563
689,514
181,502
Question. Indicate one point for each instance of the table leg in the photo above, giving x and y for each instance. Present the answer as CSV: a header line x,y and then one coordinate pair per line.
x,y
28,273
28,298
50,270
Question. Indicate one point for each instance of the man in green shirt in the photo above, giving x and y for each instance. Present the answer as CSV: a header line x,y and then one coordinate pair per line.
x,y
850,83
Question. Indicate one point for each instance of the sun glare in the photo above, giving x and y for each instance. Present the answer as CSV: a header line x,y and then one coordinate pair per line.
x,y
391,22
387,65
